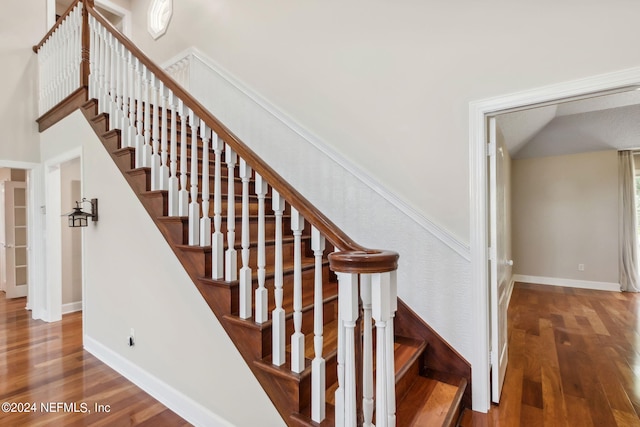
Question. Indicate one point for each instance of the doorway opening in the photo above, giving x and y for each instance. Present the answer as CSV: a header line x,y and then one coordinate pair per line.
x,y
71,238
64,253
480,114
14,264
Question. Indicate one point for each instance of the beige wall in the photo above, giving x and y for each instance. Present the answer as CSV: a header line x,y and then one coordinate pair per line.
x,y
23,24
388,85
565,213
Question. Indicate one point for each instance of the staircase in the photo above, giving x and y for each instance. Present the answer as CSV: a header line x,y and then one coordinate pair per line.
x,y
322,330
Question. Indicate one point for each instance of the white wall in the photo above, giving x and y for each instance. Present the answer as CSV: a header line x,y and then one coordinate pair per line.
x,y
388,84
23,24
565,213
133,280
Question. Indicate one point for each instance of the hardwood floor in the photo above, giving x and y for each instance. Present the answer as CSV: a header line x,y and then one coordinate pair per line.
x,y
574,360
43,365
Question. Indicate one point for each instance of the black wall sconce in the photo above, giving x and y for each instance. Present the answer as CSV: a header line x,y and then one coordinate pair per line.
x,y
79,218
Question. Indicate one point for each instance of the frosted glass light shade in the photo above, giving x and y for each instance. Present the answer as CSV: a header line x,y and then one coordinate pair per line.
x,y
158,18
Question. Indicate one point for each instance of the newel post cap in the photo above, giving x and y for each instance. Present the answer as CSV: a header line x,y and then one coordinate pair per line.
x,y
364,261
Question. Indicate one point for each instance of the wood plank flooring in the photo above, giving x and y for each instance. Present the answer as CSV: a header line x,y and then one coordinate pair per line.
x,y
44,364
574,360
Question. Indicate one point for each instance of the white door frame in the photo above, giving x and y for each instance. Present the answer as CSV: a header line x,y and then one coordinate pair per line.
x,y
53,283
35,264
478,186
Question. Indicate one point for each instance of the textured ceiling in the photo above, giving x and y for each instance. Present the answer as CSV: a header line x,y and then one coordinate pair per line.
x,y
599,123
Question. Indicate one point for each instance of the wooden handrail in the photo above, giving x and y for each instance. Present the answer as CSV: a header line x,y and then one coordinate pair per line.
x,y
367,261
37,47
360,258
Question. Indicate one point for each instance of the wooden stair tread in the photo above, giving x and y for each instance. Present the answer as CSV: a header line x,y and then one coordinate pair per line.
x,y
329,342
406,351
429,402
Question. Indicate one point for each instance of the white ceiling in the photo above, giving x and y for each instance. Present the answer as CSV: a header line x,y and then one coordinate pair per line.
x,y
607,122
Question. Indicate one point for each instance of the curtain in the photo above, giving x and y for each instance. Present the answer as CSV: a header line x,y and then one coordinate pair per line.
x,y
629,281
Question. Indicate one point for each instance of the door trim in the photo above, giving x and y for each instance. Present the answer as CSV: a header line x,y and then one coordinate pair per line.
x,y
478,185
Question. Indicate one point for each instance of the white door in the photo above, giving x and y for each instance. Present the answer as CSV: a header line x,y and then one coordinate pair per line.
x,y
499,266
3,243
15,239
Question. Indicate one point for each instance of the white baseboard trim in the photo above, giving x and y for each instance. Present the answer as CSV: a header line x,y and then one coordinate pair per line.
x,y
71,307
569,283
440,233
187,408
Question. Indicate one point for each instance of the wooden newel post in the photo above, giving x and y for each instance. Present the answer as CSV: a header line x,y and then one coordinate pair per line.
x,y
86,40
366,291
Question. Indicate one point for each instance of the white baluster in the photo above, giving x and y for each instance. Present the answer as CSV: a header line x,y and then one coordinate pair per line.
x,y
278,314
194,206
173,180
382,312
63,35
50,73
78,54
112,82
163,173
140,146
93,50
367,351
262,297
104,71
117,114
245,272
231,256
67,32
155,136
205,221
148,150
67,55
318,366
183,196
391,371
297,339
124,93
132,83
348,301
217,240
340,360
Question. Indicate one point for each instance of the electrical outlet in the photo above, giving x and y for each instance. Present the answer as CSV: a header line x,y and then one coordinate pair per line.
x,y
580,267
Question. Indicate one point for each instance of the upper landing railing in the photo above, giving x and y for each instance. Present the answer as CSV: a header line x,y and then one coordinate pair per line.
x,y
169,131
